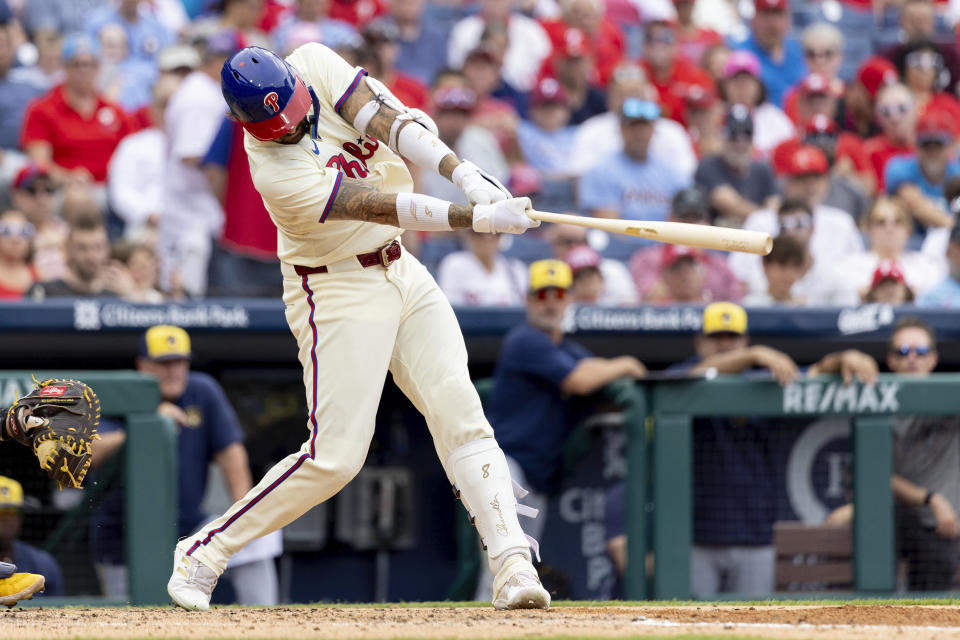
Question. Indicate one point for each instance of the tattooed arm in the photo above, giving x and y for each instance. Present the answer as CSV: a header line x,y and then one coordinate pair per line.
x,y
356,201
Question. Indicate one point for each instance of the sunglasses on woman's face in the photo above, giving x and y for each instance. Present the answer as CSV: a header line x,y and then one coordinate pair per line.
x,y
905,350
893,110
24,230
814,54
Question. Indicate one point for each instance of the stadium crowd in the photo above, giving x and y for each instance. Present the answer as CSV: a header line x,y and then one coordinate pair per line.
x,y
832,125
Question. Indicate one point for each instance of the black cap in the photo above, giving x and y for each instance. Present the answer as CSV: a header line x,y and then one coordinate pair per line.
x,y
690,203
738,122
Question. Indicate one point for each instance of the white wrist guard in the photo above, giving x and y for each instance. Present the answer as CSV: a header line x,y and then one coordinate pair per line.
x,y
422,213
421,147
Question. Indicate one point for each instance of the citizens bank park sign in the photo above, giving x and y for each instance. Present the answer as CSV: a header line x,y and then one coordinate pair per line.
x,y
94,315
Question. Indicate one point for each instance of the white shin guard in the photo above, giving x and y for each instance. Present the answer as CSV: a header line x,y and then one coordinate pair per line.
x,y
481,479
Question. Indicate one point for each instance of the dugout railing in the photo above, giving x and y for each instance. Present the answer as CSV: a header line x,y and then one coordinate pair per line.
x,y
673,406
149,479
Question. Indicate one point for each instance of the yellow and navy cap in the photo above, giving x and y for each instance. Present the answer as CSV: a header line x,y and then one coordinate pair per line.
x,y
11,493
724,317
550,273
166,342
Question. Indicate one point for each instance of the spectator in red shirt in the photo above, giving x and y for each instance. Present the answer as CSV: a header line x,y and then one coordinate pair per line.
x,y
859,112
380,36
669,73
815,95
72,129
602,36
358,12
897,116
16,271
922,70
692,41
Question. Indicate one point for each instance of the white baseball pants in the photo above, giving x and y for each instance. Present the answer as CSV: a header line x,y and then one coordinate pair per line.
x,y
353,325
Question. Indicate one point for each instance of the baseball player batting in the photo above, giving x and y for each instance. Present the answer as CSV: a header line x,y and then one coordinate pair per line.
x,y
326,144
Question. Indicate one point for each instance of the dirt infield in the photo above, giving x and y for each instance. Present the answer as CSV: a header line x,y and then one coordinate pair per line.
x,y
842,621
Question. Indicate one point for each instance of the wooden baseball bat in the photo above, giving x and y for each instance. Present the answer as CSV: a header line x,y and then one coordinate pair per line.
x,y
693,235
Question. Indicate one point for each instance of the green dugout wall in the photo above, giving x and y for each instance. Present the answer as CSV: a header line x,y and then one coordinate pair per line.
x,y
673,406
150,483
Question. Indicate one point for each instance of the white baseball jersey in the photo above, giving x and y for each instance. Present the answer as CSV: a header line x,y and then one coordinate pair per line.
x,y
299,182
352,325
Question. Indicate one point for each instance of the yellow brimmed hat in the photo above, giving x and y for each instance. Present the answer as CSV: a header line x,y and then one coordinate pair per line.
x,y
11,493
724,317
166,342
550,273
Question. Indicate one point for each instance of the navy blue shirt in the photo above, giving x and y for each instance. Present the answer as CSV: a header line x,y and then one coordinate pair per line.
x,y
734,479
213,427
530,415
29,559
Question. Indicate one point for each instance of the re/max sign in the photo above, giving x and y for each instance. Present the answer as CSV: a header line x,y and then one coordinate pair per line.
x,y
834,397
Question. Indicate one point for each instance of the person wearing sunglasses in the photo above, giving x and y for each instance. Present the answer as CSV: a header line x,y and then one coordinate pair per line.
x,y
666,69
73,130
32,194
946,294
926,471
17,273
922,68
918,22
887,227
737,183
896,115
919,179
831,233
539,375
823,51
632,184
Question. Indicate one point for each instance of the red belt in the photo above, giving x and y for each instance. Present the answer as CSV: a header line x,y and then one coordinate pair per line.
x,y
383,256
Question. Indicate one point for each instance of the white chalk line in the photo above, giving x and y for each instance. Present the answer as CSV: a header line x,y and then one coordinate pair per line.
x,y
806,626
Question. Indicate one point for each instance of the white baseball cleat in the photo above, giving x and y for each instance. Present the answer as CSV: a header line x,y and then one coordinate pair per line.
x,y
191,583
522,590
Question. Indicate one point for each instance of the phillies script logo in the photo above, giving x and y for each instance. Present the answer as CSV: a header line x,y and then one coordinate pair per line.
x,y
355,168
270,100
54,390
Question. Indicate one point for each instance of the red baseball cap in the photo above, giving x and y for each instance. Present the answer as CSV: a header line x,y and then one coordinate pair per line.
x,y
575,44
935,126
806,160
875,73
582,257
887,270
673,252
548,91
28,174
699,96
819,124
816,84
771,5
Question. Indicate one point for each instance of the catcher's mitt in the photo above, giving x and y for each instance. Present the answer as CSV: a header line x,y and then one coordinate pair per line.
x,y
58,419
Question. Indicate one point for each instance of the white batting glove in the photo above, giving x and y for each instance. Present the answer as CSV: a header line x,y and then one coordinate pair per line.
x,y
506,216
479,186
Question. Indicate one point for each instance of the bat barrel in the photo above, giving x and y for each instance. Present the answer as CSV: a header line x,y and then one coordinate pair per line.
x,y
692,235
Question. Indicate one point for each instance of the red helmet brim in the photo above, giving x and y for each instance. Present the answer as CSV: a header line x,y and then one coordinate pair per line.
x,y
286,120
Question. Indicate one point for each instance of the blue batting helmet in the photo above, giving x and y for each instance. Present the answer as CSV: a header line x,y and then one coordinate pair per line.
x,y
264,92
